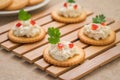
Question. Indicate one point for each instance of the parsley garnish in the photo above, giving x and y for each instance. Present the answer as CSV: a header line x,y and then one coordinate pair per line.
x,y
99,19
71,1
54,34
23,15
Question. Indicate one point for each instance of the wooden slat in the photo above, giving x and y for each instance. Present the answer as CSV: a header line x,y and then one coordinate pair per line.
x,y
116,26
79,43
92,64
44,20
6,27
53,24
72,27
118,43
95,51
34,55
8,45
109,21
3,37
43,64
27,47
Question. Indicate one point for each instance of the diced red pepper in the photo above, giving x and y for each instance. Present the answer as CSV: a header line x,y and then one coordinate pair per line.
x,y
65,4
18,24
103,24
71,45
60,45
94,26
75,6
32,22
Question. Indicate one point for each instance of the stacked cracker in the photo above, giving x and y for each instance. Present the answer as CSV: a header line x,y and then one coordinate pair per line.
x,y
17,4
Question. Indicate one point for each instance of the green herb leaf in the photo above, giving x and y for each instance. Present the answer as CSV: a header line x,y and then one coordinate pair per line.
x,y
71,1
23,15
99,19
54,34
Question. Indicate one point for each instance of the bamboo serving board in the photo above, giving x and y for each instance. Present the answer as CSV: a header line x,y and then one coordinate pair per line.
x,y
96,56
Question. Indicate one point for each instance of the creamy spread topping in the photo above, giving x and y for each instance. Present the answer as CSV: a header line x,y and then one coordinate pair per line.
x,y
96,31
70,10
26,28
63,51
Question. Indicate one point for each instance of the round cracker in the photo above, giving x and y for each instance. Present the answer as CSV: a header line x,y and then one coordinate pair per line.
x,y
75,60
25,39
111,38
17,4
34,2
5,3
60,18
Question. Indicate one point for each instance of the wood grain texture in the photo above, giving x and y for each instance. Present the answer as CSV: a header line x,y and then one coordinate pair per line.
x,y
94,63
35,54
53,24
6,27
3,37
43,64
96,50
44,20
89,53
8,45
